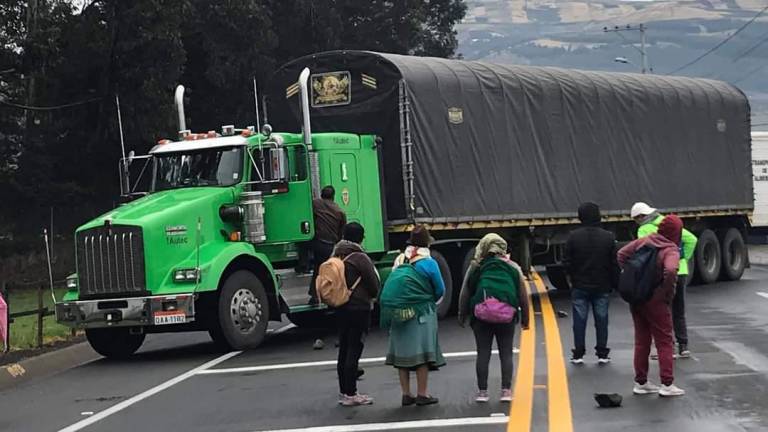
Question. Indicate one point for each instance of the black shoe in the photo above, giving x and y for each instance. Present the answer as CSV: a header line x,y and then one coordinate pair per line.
x,y
360,373
408,400
426,400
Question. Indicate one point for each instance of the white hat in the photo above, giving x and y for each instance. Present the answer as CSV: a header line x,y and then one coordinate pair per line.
x,y
641,209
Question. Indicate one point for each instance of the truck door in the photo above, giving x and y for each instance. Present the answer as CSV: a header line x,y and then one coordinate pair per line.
x,y
288,212
345,180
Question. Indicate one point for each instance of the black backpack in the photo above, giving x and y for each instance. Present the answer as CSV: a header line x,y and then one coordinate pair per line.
x,y
639,276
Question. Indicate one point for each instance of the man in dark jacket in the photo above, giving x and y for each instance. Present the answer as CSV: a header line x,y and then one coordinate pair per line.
x,y
329,223
590,259
354,317
653,319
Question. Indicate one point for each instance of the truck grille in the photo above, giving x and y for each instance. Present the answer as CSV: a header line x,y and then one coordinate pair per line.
x,y
110,262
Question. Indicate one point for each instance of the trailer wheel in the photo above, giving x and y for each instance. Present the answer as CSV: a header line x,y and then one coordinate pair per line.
x,y
708,257
243,312
734,254
445,271
114,343
468,257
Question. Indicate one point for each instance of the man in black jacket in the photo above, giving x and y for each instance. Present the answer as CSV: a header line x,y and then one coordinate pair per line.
x,y
590,259
354,317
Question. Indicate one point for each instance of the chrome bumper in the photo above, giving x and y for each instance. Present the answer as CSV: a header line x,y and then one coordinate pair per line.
x,y
127,312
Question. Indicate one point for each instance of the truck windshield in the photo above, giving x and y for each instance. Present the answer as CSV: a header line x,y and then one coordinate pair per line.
x,y
214,167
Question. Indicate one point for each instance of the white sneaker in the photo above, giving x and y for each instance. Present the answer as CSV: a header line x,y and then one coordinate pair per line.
x,y
671,390
604,360
482,396
358,399
506,395
577,360
647,388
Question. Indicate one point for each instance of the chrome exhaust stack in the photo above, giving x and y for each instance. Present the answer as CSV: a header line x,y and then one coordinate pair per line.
x,y
314,164
179,96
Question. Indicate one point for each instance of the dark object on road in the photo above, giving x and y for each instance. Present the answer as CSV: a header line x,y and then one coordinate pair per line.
x,y
608,400
318,345
562,314
360,373
408,400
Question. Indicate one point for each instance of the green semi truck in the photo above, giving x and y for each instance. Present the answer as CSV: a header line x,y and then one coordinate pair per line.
x,y
465,148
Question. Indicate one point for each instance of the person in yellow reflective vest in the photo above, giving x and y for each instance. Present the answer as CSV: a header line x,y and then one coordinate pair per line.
x,y
648,219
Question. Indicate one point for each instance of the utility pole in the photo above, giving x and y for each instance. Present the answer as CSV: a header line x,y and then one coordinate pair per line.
x,y
643,52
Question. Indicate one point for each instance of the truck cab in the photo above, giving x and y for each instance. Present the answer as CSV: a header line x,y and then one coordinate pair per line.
x,y
212,244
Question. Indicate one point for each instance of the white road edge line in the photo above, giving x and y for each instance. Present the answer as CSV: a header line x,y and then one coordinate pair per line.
x,y
415,424
141,396
280,366
762,294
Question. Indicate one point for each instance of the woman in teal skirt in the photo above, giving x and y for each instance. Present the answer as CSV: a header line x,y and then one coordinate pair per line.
x,y
408,310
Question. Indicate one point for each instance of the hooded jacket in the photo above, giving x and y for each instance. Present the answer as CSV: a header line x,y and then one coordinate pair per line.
x,y
358,265
668,258
590,254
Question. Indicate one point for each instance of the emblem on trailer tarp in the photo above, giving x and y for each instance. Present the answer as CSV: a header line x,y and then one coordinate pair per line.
x,y
455,115
331,89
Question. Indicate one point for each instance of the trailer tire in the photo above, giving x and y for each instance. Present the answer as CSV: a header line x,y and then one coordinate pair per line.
x,y
734,254
708,257
243,312
114,343
445,271
469,255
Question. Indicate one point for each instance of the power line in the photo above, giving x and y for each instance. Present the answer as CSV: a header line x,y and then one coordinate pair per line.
x,y
750,73
723,42
48,108
752,48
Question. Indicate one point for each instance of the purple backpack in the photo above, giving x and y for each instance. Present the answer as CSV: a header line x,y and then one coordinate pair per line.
x,y
492,310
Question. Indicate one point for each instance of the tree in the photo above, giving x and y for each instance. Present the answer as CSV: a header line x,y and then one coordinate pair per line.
x,y
75,55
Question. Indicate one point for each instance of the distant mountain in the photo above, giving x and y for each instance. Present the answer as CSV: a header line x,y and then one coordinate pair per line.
x,y
570,34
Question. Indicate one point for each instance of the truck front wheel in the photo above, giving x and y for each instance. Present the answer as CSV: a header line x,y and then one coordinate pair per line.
x,y
243,312
114,343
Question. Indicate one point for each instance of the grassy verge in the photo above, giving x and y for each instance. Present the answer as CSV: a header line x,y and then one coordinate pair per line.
x,y
23,331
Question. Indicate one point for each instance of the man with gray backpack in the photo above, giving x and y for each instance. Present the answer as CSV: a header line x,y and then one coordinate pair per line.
x,y
647,282
348,281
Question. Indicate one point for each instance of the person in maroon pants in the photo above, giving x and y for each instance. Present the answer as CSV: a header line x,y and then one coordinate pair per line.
x,y
653,319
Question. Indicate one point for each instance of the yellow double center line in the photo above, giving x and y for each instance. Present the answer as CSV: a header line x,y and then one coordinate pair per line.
x,y
559,401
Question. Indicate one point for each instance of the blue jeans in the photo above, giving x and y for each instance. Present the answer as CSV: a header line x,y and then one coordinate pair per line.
x,y
581,300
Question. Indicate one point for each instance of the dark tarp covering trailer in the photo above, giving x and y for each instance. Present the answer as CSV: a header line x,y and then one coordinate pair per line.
x,y
496,142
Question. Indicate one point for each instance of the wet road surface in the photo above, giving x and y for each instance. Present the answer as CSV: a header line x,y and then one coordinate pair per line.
x,y
178,382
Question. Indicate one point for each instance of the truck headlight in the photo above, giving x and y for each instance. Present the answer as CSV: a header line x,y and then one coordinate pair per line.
x,y
186,275
71,283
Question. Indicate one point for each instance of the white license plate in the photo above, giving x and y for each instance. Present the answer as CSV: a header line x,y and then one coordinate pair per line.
x,y
163,318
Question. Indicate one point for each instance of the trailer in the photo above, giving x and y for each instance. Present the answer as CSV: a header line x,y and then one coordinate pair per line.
x,y
760,179
472,147
465,148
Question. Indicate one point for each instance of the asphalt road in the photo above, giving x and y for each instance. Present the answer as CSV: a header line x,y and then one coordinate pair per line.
x,y
178,382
